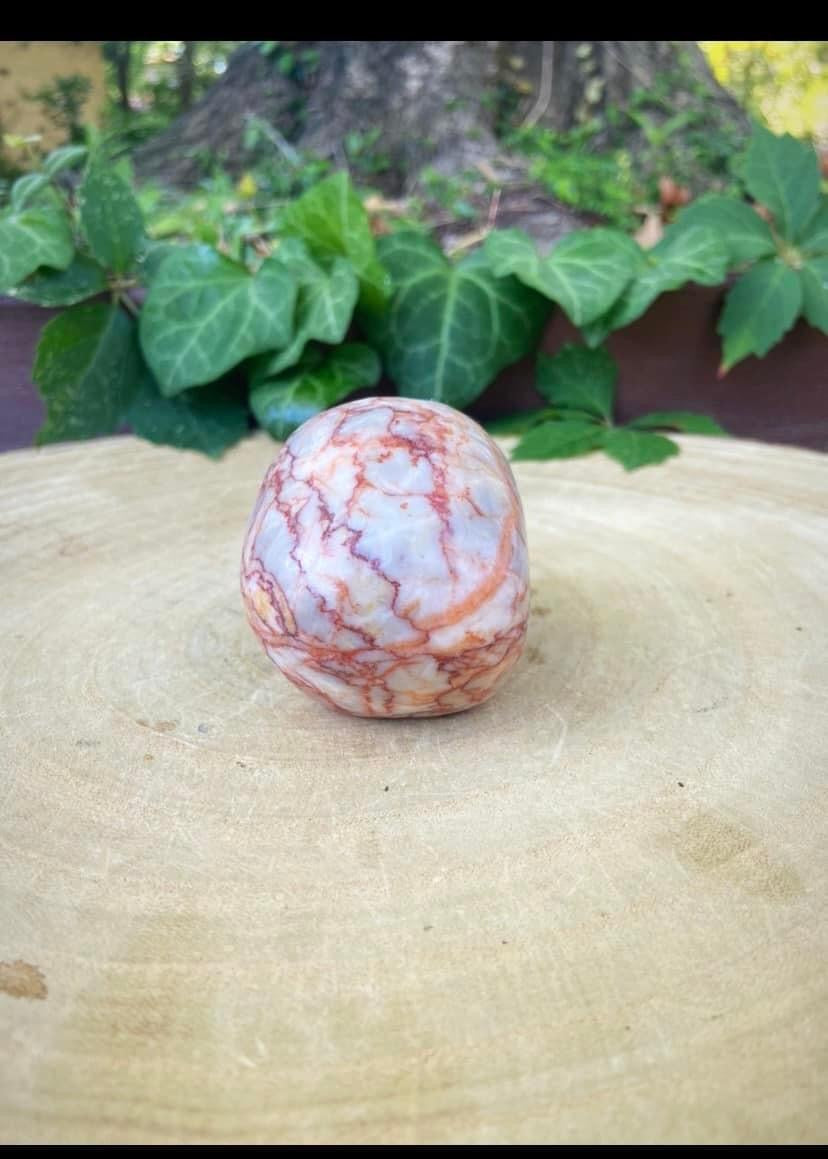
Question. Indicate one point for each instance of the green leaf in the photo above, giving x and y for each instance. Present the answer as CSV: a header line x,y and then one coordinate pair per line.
x,y
590,269
324,305
634,449
450,328
35,237
814,281
585,272
783,175
760,308
742,231
815,238
332,220
83,279
181,223
204,314
516,424
511,251
110,216
694,254
209,419
26,188
87,368
152,255
577,378
67,157
678,420
283,404
559,440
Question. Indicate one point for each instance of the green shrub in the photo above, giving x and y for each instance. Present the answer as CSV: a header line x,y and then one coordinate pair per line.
x,y
269,319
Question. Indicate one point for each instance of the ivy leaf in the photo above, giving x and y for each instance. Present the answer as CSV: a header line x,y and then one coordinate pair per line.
x,y
324,305
450,328
67,157
204,314
678,420
282,404
511,251
332,220
815,238
152,255
585,272
590,269
110,216
87,368
760,308
783,174
559,440
741,230
26,188
35,237
634,449
694,254
83,279
580,379
813,278
209,420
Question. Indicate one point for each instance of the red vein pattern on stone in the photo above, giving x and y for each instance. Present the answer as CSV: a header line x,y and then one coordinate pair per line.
x,y
385,567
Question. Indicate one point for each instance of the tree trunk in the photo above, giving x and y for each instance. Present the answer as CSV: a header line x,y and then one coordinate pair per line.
x,y
427,98
563,83
186,75
440,103
215,124
120,52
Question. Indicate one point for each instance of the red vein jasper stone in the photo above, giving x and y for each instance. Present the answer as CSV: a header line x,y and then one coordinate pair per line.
x,y
385,568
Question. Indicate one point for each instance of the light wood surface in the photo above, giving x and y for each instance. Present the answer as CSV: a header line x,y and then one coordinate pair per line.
x,y
592,910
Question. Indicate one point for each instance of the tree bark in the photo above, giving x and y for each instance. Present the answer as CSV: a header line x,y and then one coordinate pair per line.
x,y
250,86
120,52
186,75
585,78
440,103
427,98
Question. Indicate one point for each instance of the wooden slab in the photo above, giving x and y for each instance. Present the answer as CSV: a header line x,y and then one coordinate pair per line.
x,y
592,910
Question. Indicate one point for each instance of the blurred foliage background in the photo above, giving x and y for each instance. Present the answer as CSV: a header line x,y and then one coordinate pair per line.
x,y
623,163
782,82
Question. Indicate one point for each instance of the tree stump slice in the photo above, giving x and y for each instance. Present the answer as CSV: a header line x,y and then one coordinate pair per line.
x,y
590,911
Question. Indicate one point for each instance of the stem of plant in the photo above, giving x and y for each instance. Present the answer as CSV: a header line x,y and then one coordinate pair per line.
x,y
127,303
